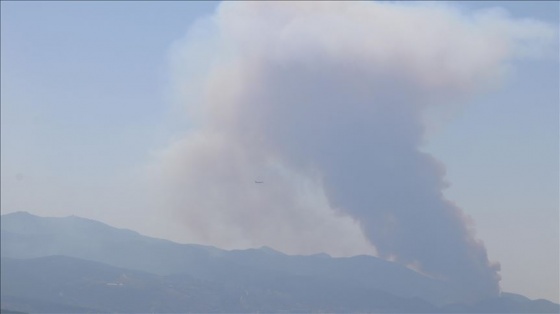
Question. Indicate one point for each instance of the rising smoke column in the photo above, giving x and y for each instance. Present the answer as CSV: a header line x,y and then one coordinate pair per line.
x,y
327,102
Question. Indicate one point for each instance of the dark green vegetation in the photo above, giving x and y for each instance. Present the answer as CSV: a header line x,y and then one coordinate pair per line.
x,y
76,265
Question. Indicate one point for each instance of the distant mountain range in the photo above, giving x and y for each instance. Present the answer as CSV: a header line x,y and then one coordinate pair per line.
x,y
77,265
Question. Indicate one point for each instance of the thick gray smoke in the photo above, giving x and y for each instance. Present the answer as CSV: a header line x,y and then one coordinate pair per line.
x,y
326,103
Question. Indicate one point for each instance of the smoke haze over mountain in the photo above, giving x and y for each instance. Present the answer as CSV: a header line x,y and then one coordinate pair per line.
x,y
326,103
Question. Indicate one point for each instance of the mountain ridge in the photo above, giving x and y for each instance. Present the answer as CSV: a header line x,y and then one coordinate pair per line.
x,y
275,280
163,257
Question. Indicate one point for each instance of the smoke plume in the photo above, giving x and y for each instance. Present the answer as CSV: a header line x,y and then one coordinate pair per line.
x,y
326,103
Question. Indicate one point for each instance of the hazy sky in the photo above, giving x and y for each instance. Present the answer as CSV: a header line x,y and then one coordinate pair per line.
x,y
88,108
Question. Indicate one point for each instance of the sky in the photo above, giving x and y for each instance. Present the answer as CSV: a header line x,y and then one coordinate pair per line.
x,y
94,124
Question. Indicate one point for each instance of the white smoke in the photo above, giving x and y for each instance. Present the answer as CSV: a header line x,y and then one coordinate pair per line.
x,y
325,102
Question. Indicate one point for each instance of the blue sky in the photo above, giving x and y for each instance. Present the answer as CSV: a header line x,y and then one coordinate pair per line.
x,y
86,103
